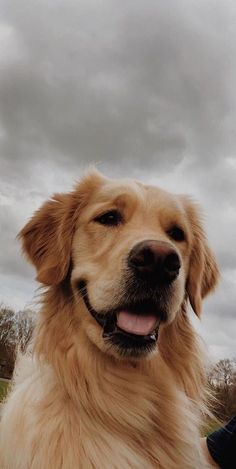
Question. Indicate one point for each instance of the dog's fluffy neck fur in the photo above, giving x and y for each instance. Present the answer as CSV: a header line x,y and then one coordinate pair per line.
x,y
142,388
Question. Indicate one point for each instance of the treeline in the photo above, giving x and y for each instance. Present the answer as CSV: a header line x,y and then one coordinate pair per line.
x,y
222,384
16,329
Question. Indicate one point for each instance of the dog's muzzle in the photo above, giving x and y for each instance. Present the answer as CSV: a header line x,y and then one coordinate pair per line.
x,y
132,328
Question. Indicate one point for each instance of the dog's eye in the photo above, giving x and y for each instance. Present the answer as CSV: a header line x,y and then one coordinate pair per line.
x,y
176,233
111,218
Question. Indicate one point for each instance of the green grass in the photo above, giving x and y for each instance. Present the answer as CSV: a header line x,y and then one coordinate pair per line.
x,y
3,389
210,426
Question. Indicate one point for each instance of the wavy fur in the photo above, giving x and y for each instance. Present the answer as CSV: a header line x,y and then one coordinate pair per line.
x,y
72,404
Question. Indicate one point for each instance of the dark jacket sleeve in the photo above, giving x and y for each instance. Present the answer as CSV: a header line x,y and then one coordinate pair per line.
x,y
222,445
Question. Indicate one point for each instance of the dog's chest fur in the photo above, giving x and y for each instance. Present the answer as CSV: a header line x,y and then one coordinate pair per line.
x,y
115,419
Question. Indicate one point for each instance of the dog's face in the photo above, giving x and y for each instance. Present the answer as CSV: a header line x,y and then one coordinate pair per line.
x,y
132,255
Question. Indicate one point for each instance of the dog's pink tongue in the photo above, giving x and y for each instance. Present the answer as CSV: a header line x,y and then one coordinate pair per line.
x,y
136,324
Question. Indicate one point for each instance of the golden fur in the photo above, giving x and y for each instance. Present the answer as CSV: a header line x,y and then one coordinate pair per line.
x,y
75,403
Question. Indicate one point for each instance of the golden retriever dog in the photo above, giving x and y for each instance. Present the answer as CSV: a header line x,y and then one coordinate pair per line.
x,y
114,378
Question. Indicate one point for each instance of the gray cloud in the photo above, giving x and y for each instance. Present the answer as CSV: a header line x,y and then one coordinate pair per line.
x,y
142,89
148,84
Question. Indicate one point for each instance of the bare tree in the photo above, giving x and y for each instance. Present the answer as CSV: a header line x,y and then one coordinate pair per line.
x,y
15,331
223,372
222,381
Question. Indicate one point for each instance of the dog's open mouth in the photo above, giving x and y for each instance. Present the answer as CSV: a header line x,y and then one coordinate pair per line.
x,y
133,327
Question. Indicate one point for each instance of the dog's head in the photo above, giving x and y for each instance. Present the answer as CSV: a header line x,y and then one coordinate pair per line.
x,y
132,254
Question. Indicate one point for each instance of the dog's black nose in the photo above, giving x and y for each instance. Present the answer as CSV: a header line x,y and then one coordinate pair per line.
x,y
155,260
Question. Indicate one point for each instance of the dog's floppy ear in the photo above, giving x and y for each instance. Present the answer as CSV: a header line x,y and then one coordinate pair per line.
x,y
203,271
47,237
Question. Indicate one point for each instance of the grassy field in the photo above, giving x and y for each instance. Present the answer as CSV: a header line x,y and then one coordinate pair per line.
x,y
3,389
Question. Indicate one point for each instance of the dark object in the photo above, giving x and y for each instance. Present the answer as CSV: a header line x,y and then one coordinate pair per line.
x,y
222,445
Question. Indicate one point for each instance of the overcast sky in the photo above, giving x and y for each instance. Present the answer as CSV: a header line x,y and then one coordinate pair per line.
x,y
141,88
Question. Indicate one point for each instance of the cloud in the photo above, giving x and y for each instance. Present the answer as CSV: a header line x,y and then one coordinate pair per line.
x,y
149,84
140,89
